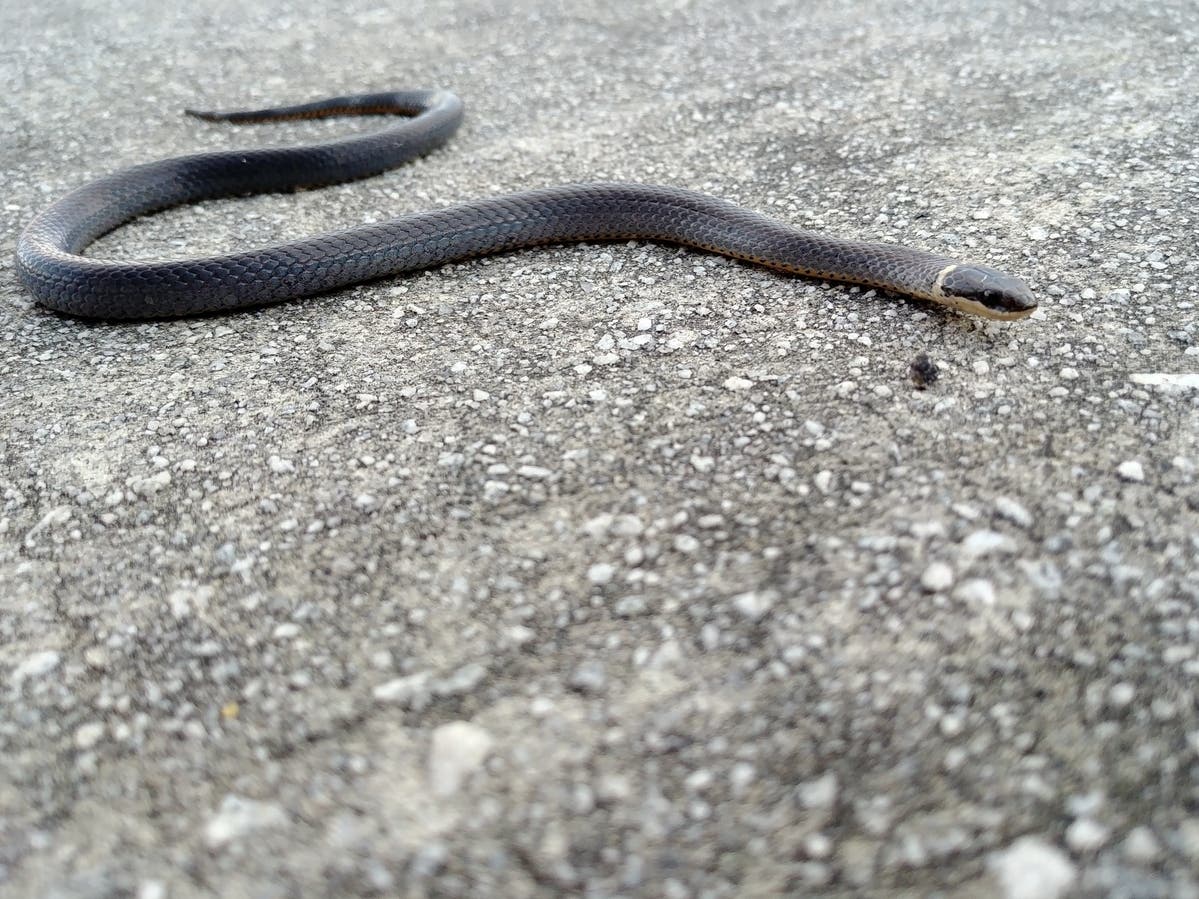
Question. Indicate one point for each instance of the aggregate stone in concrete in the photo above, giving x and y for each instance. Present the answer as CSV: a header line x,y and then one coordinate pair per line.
x,y
615,570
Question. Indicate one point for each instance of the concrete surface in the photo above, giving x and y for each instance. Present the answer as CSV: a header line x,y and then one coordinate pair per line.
x,y
620,570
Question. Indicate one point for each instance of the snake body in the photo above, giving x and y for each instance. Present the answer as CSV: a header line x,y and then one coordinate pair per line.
x,y
50,264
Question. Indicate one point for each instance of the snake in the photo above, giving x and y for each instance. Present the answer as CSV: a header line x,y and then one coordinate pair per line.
x,y
51,265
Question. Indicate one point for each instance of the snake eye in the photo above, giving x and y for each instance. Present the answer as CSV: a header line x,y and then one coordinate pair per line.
x,y
997,294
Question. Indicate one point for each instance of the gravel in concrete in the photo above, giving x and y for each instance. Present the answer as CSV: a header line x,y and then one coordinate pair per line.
x,y
616,570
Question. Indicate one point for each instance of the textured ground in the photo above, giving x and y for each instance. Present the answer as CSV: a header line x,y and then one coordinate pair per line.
x,y
616,570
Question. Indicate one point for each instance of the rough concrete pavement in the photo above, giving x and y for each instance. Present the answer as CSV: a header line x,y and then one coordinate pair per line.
x,y
615,570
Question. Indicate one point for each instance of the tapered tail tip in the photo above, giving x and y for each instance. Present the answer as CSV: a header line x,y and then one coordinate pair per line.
x,y
205,115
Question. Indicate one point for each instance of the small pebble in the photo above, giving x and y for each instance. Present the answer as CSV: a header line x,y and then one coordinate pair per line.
x,y
626,526
88,735
519,635
741,776
239,818
1141,847
280,465
457,750
412,691
1030,868
987,543
820,793
1131,471
589,677
1086,835
462,681
753,605
976,591
613,788
601,573
1008,508
37,665
817,845
937,577
1121,695
629,606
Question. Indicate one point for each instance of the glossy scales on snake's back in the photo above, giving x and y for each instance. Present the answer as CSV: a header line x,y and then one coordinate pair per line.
x,y
50,264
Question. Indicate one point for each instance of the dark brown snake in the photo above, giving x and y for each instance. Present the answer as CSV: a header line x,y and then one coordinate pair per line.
x,y
49,263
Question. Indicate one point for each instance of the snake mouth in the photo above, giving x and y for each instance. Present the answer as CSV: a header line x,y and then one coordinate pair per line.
x,y
985,292
970,306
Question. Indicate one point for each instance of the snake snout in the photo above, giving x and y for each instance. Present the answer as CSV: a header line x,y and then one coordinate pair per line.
x,y
988,292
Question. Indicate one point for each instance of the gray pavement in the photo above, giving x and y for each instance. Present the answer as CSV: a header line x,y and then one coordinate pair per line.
x,y
615,570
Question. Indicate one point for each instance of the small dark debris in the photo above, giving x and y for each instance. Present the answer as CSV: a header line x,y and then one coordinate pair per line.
x,y
923,372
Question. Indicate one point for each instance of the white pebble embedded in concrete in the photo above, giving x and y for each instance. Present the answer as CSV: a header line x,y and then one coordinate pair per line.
x,y
937,577
239,818
601,573
37,665
88,735
1013,511
1086,835
1131,471
458,750
981,544
753,605
1030,868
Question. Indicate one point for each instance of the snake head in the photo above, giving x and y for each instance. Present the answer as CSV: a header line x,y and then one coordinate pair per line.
x,y
986,292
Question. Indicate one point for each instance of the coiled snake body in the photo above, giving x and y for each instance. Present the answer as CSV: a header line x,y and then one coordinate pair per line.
x,y
49,263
